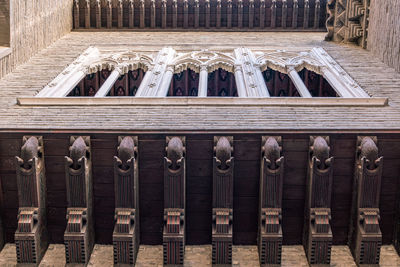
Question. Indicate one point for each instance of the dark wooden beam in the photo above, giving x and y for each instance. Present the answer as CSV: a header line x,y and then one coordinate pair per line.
x,y
126,186
31,235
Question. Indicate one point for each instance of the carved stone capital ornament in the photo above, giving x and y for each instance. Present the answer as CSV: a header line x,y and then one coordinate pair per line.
x,y
365,237
79,235
222,213
270,209
31,235
317,237
126,182
174,200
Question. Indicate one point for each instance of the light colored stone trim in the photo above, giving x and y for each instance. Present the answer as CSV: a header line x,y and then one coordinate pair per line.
x,y
201,101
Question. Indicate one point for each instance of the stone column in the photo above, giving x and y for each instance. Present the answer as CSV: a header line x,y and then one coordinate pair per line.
x,y
241,88
166,81
203,81
298,82
263,86
144,82
109,83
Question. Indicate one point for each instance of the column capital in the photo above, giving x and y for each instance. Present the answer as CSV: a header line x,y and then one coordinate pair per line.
x,y
238,67
170,68
203,68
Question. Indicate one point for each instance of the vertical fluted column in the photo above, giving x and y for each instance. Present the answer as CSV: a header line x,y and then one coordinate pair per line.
x,y
98,13
229,14
76,14
240,13
218,24
295,13
317,11
142,13
207,6
196,13
109,83
273,14
164,14
185,14
166,81
241,88
131,13
298,82
203,81
153,14
263,86
251,14
306,13
284,13
120,13
109,14
87,14
151,84
262,14
174,14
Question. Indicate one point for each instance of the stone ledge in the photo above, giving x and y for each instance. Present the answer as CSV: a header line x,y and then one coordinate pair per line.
x,y
201,101
4,51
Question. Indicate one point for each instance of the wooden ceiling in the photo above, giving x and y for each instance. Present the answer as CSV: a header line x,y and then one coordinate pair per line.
x,y
214,15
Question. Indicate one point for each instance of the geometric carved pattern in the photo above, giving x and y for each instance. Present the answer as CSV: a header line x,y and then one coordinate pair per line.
x,y
365,236
174,201
79,234
126,230
198,14
222,213
348,21
271,183
317,238
31,234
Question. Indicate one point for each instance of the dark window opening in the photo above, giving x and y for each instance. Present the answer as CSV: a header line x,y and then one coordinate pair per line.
x,y
279,84
221,83
185,83
316,84
126,85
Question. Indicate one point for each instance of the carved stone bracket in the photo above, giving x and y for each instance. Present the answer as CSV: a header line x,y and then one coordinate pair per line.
x,y
126,180
348,21
79,234
31,234
365,237
223,166
174,200
270,209
317,238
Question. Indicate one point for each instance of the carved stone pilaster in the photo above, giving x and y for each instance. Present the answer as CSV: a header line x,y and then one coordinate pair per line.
x,y
174,201
365,237
348,21
31,235
270,213
79,235
317,238
126,181
76,14
222,213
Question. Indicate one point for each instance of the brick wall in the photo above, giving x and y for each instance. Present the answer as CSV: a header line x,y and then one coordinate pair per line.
x,y
4,22
384,31
34,25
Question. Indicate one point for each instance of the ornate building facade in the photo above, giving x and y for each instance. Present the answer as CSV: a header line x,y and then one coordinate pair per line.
x,y
199,133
